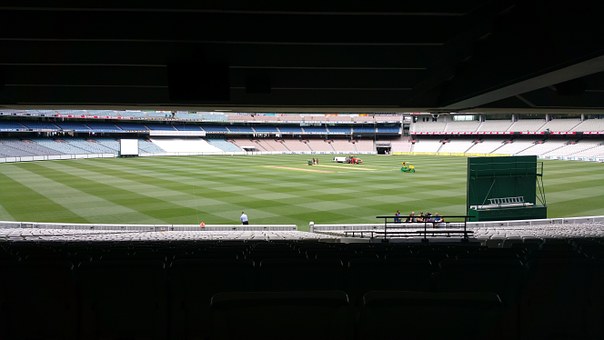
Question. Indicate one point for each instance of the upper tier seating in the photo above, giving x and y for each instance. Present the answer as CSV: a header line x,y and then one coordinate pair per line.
x,y
494,126
11,126
469,126
590,125
527,125
561,125
428,127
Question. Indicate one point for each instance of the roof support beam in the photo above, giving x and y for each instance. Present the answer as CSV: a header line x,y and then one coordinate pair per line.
x,y
575,71
530,48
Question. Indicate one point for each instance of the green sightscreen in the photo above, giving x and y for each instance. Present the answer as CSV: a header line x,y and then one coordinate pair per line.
x,y
505,188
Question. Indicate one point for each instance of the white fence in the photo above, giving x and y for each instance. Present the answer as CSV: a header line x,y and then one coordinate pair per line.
x,y
149,227
55,157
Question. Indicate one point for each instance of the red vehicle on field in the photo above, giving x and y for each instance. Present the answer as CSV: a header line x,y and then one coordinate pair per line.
x,y
348,160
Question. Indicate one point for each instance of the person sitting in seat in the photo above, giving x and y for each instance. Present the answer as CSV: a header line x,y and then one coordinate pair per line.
x,y
428,217
438,220
421,217
411,218
397,217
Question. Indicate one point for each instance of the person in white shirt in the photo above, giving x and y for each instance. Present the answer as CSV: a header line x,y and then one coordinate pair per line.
x,y
243,218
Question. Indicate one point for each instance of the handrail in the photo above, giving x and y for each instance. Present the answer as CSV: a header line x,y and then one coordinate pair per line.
x,y
386,217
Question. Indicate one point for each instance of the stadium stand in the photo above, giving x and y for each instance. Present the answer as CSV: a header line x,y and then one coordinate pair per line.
x,y
388,130
527,125
550,142
11,126
561,125
540,148
512,147
60,146
510,286
17,147
427,127
401,145
494,126
146,146
290,130
320,145
160,127
591,125
275,144
315,130
224,145
188,145
486,146
470,126
570,148
240,129
296,145
215,129
132,127
265,129
104,127
342,146
427,145
248,144
89,145
73,126
39,125
363,129
338,130
363,145
195,128
456,146
109,143
596,151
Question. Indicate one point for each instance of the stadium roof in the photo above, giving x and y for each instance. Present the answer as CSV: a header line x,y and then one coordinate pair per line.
x,y
276,55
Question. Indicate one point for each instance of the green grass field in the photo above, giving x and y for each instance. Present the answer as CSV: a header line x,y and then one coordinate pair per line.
x,y
271,189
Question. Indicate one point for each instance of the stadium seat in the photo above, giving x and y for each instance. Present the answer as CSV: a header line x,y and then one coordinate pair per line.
x,y
504,276
429,315
300,274
281,315
37,300
123,300
192,284
364,275
559,300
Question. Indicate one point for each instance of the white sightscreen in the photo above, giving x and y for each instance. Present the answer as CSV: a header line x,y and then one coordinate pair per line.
x,y
128,147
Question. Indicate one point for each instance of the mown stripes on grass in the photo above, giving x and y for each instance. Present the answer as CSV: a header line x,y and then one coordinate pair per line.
x,y
271,189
